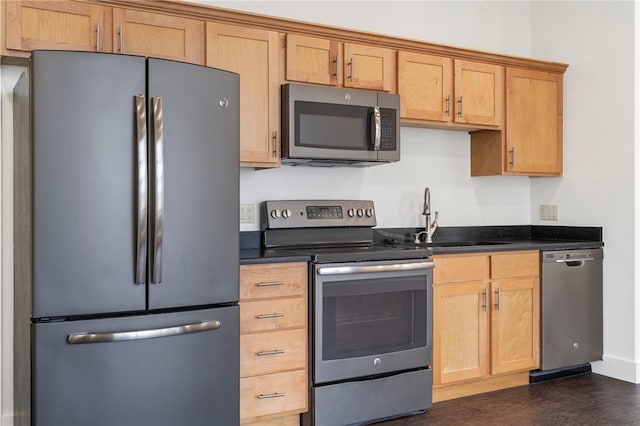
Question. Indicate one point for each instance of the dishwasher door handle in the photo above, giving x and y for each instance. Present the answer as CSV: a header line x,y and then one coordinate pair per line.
x,y
573,263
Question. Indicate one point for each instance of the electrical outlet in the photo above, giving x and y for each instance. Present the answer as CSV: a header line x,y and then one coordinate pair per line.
x,y
548,212
247,213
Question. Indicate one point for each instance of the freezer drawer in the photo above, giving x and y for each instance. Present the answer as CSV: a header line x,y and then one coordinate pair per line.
x,y
181,379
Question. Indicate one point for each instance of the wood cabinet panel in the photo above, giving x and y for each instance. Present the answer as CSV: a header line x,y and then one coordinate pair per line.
x,y
516,264
478,93
272,280
369,67
273,394
273,352
460,320
64,25
515,325
158,35
313,60
254,55
424,85
269,315
457,268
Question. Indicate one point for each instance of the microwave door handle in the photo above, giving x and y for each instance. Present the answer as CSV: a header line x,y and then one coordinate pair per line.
x,y
378,130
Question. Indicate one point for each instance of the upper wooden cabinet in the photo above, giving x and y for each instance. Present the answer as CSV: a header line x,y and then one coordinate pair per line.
x,y
329,62
446,92
531,141
67,25
254,55
158,35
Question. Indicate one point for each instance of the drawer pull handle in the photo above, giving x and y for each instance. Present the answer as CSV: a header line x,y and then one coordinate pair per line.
x,y
271,395
273,352
270,283
274,315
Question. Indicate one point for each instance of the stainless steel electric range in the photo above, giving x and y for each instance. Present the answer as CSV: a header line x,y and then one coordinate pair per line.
x,y
370,310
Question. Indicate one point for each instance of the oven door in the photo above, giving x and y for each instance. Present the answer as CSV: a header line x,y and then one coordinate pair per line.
x,y
371,318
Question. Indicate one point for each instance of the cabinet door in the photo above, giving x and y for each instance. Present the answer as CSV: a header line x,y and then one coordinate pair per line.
x,y
478,93
533,122
424,85
460,332
369,67
515,325
161,36
252,53
313,60
63,25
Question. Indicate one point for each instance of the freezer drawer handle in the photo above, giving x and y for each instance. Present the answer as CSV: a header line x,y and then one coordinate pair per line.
x,y
141,138
124,336
158,223
339,270
271,395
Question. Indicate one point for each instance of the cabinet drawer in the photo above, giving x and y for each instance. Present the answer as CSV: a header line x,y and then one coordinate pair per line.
x,y
271,315
272,352
459,268
272,280
516,264
273,393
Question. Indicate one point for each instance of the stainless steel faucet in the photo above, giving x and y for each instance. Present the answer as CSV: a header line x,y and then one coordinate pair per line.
x,y
430,227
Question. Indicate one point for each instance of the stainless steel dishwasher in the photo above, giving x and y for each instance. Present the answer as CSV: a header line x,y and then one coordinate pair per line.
x,y
571,299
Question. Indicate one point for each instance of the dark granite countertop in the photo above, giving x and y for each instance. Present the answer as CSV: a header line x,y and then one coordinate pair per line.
x,y
448,240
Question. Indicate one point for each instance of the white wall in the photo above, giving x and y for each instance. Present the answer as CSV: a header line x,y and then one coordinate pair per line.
x,y
596,39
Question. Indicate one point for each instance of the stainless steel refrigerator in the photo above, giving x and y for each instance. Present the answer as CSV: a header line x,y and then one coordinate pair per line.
x,y
126,242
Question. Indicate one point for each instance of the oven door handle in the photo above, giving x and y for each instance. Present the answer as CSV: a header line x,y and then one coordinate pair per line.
x,y
344,270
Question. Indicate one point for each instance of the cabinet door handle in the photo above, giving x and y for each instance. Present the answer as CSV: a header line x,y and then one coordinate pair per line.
x,y
512,155
485,300
271,395
460,106
275,143
121,39
350,77
270,284
497,292
98,37
274,315
337,67
273,352
448,106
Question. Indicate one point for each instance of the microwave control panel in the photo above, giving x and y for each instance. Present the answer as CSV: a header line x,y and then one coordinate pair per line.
x,y
388,129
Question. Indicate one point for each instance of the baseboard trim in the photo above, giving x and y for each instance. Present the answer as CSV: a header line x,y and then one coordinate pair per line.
x,y
617,368
488,384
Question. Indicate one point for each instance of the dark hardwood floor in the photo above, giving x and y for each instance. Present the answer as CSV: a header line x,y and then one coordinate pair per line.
x,y
588,399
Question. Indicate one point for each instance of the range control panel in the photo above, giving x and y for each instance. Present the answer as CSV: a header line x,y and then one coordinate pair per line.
x,y
317,213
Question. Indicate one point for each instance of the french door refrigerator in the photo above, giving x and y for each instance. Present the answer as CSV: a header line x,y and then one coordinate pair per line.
x,y
126,233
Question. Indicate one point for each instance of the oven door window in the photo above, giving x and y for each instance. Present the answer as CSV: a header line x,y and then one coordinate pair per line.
x,y
331,126
373,316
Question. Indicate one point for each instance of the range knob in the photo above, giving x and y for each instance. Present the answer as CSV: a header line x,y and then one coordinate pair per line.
x,y
360,212
351,212
369,212
275,213
286,213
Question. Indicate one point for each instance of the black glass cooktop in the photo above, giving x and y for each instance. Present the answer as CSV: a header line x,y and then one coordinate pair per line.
x,y
374,252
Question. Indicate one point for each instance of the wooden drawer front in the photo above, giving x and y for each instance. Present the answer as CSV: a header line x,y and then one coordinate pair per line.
x,y
270,315
517,264
457,268
273,352
273,393
272,280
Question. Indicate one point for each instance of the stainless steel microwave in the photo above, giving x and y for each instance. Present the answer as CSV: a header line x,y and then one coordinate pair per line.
x,y
330,126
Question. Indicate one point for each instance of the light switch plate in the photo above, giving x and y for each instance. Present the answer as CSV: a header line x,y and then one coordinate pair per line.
x,y
548,212
247,213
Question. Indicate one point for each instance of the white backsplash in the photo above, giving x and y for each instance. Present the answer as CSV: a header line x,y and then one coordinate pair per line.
x,y
435,158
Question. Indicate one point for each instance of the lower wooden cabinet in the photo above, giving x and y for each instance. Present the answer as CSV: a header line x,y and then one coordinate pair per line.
x,y
486,322
273,343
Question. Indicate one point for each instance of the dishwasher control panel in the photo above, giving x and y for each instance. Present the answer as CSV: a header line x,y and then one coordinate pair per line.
x,y
570,255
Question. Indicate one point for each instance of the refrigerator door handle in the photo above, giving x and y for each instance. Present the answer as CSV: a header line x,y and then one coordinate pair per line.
x,y
143,196
158,223
124,336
